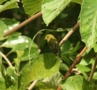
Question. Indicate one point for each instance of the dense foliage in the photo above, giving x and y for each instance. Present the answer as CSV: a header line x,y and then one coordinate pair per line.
x,y
26,60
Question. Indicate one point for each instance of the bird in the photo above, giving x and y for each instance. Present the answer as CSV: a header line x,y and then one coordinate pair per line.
x,y
53,44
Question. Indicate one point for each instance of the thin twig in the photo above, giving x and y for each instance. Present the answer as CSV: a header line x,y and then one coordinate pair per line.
x,y
93,69
32,85
73,65
9,63
69,34
59,88
65,38
75,62
23,24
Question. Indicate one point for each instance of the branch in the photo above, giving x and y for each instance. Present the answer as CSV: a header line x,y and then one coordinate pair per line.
x,y
23,24
9,63
63,40
75,62
59,88
73,65
93,69
32,85
69,34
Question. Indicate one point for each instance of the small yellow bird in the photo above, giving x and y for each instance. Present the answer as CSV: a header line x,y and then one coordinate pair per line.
x,y
53,44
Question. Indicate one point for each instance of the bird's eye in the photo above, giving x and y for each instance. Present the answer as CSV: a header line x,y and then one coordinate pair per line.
x,y
47,37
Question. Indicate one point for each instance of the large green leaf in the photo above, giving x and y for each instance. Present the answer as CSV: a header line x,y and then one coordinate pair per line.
x,y
17,43
10,23
27,54
88,23
30,53
2,28
43,66
77,83
32,6
52,8
77,1
2,82
6,25
50,83
8,5
1,1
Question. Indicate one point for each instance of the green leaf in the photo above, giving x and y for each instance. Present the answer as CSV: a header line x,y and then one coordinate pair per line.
x,y
51,83
1,1
2,82
88,23
2,28
11,78
8,5
6,25
77,1
30,53
11,71
66,46
83,70
43,66
32,6
71,52
52,8
64,67
88,58
77,83
17,43
95,76
27,54
10,24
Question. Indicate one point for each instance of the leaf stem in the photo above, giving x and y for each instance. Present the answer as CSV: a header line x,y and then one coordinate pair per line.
x,y
9,63
69,34
23,24
32,85
75,62
93,69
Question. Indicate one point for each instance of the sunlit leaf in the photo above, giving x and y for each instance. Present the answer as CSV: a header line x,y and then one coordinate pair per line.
x,y
77,83
17,43
8,5
2,28
27,54
77,1
43,66
6,25
2,82
88,24
32,6
52,8
83,70
52,82
11,78
95,76
1,1
30,53
10,24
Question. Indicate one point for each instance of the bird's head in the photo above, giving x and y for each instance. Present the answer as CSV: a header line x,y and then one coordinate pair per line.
x,y
48,37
